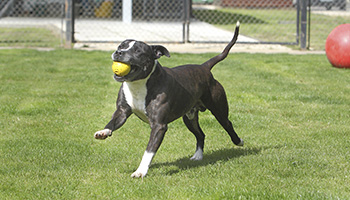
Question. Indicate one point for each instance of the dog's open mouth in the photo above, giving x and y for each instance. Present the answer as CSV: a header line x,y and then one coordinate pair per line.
x,y
135,71
122,78
120,68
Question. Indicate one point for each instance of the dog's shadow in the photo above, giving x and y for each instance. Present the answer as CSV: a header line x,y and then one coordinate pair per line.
x,y
210,158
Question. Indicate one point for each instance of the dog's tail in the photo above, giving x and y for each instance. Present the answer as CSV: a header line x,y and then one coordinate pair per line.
x,y
210,63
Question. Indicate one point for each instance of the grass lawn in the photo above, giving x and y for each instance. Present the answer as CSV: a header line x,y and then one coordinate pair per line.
x,y
29,37
272,25
321,27
263,25
293,111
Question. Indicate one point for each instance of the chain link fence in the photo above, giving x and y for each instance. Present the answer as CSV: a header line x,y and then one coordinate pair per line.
x,y
44,22
114,21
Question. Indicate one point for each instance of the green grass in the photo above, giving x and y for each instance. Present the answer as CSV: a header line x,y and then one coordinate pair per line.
x,y
321,27
265,25
276,25
29,37
291,110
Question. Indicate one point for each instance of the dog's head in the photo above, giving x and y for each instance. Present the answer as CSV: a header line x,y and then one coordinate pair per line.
x,y
140,56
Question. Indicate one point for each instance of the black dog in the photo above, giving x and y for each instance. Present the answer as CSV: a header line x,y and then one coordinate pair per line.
x,y
160,95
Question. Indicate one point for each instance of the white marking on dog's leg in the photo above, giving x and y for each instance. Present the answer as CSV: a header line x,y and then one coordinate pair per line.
x,y
103,134
241,143
198,155
144,165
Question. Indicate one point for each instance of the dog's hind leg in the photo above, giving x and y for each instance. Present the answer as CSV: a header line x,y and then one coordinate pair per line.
x,y
191,121
216,102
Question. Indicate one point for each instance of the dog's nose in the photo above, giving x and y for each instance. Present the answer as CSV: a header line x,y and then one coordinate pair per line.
x,y
117,54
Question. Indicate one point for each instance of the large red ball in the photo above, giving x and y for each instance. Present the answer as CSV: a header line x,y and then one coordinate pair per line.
x,y
338,46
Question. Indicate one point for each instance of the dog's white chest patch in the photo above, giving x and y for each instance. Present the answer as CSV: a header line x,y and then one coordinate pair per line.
x,y
135,95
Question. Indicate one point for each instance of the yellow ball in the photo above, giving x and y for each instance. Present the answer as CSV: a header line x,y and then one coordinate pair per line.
x,y
121,69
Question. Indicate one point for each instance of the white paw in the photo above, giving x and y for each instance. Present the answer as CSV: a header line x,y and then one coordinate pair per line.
x,y
103,134
198,155
144,165
241,143
139,173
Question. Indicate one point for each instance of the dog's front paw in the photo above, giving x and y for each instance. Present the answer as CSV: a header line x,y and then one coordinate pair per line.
x,y
103,134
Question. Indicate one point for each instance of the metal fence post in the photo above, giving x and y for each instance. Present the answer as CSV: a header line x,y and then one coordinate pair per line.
x,y
186,22
69,19
298,22
127,11
309,25
303,23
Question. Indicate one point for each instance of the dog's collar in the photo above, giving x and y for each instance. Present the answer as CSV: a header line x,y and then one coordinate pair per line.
x,y
153,69
154,66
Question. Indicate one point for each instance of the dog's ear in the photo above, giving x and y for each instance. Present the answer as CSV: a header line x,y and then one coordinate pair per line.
x,y
160,51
